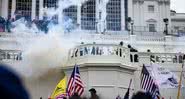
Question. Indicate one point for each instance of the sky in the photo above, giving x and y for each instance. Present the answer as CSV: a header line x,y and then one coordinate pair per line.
x,y
178,6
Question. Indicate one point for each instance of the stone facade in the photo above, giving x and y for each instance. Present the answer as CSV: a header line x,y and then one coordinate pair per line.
x,y
178,22
150,12
147,15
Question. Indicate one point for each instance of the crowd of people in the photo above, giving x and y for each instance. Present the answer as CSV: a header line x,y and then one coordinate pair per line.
x,y
41,24
11,87
138,95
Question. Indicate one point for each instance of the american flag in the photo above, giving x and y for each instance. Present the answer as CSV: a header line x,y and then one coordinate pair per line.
x,y
75,84
148,83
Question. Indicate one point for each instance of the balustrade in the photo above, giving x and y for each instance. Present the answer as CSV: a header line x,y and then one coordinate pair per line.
x,y
10,55
163,57
103,52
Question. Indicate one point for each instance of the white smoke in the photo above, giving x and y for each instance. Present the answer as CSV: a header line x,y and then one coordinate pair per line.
x,y
21,26
46,52
42,52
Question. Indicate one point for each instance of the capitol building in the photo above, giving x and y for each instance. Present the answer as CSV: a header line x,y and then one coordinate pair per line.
x,y
119,36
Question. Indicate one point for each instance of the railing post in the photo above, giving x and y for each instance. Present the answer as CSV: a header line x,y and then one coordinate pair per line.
x,y
168,43
132,39
145,58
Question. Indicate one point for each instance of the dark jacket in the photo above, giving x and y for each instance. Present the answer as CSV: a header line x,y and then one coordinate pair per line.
x,y
11,86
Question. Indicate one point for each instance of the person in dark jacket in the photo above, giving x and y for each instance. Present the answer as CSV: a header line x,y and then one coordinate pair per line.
x,y
75,96
142,95
11,86
93,94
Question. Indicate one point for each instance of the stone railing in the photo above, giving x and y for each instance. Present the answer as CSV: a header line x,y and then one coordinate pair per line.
x,y
15,55
99,53
150,38
107,37
111,53
172,58
103,37
178,39
17,35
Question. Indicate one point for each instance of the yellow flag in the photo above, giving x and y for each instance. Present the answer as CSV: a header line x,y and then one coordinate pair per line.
x,y
60,88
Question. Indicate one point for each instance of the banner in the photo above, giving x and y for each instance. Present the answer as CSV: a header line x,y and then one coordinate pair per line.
x,y
164,78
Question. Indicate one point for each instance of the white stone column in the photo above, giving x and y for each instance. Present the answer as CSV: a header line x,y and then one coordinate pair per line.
x,y
132,39
134,11
137,15
169,18
41,9
130,8
97,16
159,26
79,15
140,13
33,9
168,44
123,14
13,7
101,15
4,8
143,21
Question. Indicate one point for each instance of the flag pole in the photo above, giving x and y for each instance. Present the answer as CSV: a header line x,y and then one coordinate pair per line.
x,y
127,93
130,83
180,81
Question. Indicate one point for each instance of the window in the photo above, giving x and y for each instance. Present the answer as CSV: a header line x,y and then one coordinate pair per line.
x,y
152,28
114,15
151,8
50,3
23,9
37,9
71,13
88,15
9,8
